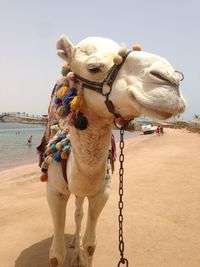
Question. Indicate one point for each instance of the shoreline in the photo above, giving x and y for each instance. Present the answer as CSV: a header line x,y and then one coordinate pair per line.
x,y
29,162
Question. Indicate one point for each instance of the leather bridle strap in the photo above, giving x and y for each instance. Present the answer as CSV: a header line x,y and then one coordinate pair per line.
x,y
98,86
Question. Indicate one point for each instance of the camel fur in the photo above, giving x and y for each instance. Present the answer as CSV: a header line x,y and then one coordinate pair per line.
x,y
146,84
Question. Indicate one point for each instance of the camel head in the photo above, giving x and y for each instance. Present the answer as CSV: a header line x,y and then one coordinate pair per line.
x,y
145,84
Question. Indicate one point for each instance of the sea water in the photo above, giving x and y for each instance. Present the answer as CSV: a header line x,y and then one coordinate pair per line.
x,y
14,147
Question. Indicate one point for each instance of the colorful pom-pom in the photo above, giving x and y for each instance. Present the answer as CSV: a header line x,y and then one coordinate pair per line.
x,y
59,146
53,148
57,101
67,149
47,151
55,122
81,121
120,121
64,155
71,76
78,103
62,92
48,160
67,98
137,47
117,59
44,177
59,111
57,156
122,52
65,69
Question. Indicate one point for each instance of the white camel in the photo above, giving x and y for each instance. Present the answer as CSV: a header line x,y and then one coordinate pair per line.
x,y
145,84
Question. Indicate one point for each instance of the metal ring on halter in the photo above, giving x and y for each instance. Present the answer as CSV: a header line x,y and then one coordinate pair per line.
x,y
181,75
107,93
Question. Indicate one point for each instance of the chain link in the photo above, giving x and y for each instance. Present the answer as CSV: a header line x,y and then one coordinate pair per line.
x,y
122,260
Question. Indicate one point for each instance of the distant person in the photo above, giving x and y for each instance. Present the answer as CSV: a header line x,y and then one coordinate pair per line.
x,y
158,130
30,139
161,130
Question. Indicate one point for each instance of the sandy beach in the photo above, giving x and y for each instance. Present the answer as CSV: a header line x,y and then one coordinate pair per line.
x,y
161,208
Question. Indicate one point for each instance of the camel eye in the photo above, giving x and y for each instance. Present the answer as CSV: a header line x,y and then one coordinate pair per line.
x,y
95,67
95,70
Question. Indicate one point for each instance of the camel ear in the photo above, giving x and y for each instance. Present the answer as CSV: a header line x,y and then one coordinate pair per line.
x,y
66,47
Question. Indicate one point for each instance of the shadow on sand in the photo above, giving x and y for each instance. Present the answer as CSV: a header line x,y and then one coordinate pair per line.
x,y
37,254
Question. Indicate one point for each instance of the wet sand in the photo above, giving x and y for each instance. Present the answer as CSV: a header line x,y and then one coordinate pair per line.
x,y
161,208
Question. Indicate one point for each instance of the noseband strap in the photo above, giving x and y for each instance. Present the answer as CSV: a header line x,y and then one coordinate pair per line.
x,y
109,80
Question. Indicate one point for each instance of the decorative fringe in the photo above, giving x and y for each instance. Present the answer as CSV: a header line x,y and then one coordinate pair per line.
x,y
78,103
61,92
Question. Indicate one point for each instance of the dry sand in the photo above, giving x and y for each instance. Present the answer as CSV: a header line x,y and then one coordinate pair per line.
x,y
161,212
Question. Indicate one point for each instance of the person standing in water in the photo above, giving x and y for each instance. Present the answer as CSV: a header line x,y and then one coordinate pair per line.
x,y
30,139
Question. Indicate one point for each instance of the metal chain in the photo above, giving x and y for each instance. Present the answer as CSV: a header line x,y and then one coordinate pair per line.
x,y
122,261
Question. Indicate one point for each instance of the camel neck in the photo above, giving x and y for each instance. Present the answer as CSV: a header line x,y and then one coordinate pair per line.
x,y
89,155
93,142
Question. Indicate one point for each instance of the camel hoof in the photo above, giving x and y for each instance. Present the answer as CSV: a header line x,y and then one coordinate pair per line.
x,y
78,259
53,262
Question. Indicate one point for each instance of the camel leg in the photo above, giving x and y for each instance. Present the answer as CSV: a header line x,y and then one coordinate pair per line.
x,y
57,204
78,259
96,205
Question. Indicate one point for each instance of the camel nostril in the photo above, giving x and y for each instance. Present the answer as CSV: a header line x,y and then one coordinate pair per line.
x,y
159,76
166,77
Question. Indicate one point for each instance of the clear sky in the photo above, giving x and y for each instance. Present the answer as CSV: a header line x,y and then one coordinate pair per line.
x,y
29,29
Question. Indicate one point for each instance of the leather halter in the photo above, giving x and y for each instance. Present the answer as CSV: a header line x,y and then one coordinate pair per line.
x,y
109,79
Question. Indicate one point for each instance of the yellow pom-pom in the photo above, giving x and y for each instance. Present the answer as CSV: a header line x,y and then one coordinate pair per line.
x,y
44,177
78,103
62,92
117,60
137,47
64,155
122,52
75,103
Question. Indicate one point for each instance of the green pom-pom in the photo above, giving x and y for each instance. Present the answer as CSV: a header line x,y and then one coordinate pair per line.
x,y
122,52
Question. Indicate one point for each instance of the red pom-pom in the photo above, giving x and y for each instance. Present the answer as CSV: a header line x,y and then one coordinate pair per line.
x,y
120,121
44,177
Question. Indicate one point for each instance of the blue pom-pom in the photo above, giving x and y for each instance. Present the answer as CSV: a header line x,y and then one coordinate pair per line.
x,y
53,148
67,142
57,101
67,98
57,156
67,149
55,122
60,137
